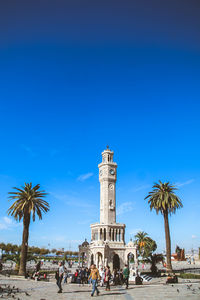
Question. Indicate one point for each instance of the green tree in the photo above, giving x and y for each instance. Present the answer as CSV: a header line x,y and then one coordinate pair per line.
x,y
149,247
28,202
44,251
15,249
141,238
163,199
153,259
8,248
36,250
2,246
150,257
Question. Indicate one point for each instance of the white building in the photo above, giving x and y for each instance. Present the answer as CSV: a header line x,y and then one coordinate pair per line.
x,y
107,246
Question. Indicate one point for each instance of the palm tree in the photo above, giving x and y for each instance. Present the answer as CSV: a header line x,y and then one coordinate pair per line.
x,y
150,257
28,203
141,239
153,259
163,199
149,247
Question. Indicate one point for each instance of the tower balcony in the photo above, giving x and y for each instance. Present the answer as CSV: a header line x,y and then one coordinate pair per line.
x,y
111,233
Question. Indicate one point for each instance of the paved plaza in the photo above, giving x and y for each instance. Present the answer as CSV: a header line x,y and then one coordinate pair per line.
x,y
38,290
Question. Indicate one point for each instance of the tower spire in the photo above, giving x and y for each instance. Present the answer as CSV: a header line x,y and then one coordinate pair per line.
x,y
107,178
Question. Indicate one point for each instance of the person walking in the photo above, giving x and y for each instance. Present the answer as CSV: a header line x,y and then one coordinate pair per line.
x,y
107,278
94,275
126,273
60,276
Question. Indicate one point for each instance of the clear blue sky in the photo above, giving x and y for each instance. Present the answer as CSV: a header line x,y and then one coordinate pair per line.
x,y
78,75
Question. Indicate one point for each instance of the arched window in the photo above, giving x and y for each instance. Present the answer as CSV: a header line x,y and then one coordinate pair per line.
x,y
111,205
96,235
104,234
100,234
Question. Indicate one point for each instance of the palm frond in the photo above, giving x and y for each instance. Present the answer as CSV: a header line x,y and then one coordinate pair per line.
x,y
29,199
163,199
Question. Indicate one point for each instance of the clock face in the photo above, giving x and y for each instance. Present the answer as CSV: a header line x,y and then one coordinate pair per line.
x,y
112,172
111,186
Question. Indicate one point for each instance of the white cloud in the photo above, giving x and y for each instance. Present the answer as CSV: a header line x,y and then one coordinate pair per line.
x,y
7,220
7,223
194,236
84,177
184,183
124,208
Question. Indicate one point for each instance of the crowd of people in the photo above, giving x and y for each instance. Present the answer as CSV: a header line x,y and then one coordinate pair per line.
x,y
93,276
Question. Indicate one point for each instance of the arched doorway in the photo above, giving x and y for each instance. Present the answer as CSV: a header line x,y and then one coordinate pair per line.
x,y
130,258
99,258
92,259
116,262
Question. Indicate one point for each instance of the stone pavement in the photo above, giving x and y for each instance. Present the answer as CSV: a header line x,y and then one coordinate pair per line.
x,y
38,290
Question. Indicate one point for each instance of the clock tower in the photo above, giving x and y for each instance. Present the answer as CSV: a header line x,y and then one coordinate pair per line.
x,y
107,178
107,246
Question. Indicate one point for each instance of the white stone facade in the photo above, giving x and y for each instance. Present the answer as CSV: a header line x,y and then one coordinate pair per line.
x,y
107,246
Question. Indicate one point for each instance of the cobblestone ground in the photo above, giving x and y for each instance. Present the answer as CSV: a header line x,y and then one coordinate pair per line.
x,y
48,291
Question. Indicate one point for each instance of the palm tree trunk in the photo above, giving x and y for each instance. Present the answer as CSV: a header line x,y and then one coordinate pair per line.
x,y
24,249
168,243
